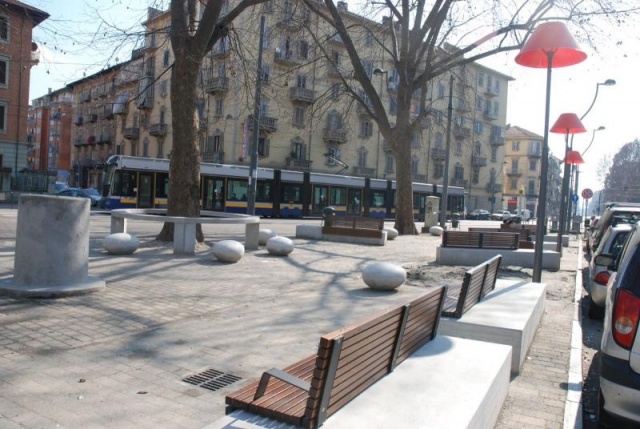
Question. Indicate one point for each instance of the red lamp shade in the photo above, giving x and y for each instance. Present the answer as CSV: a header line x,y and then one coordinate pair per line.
x,y
550,37
573,157
568,123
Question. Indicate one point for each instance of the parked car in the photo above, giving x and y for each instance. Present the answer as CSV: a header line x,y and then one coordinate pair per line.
x,y
620,347
95,196
611,244
501,215
525,214
620,212
479,214
60,186
74,192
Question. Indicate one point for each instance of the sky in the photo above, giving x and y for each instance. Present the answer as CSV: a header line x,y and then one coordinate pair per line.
x,y
572,88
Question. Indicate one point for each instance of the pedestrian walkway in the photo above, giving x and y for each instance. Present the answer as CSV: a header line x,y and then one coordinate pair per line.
x,y
119,358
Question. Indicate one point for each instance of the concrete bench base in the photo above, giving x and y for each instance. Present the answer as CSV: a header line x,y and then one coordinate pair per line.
x,y
521,257
314,232
448,383
509,315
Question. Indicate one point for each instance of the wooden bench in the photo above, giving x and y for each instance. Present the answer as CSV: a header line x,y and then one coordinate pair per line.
x,y
524,235
477,283
348,361
480,240
355,226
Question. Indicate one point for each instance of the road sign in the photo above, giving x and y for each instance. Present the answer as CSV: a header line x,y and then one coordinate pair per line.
x,y
587,193
574,198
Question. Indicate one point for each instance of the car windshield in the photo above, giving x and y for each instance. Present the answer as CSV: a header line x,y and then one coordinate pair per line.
x,y
92,191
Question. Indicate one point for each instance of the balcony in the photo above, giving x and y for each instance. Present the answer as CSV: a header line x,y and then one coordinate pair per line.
x,y
496,140
203,124
458,182
217,84
213,157
463,106
79,120
85,96
105,138
286,58
438,154
131,133
158,130
106,112
302,94
335,70
478,161
494,188
492,91
461,132
93,118
421,178
535,152
267,124
364,171
335,135
299,164
490,114
514,172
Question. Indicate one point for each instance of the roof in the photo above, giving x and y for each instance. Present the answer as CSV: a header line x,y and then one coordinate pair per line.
x,y
514,132
36,15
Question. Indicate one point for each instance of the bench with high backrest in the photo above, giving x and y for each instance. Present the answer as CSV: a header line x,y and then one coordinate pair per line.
x,y
480,240
524,235
355,226
476,284
348,361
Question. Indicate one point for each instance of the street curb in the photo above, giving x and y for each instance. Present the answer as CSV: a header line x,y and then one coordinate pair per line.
x,y
573,404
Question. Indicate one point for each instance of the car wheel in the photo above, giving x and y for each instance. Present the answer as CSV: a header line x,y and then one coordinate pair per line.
x,y
595,312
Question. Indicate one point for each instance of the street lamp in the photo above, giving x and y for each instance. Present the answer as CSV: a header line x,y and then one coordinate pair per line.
x,y
550,45
379,72
567,123
492,183
575,189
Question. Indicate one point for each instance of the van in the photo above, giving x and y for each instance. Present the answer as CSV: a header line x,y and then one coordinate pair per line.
x,y
525,214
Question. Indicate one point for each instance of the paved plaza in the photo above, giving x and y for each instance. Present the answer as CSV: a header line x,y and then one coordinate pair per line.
x,y
118,358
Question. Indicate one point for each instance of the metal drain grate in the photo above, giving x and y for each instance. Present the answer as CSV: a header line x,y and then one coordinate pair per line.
x,y
211,379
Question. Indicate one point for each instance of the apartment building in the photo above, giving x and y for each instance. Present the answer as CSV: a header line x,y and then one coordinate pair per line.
x,y
308,121
18,54
523,158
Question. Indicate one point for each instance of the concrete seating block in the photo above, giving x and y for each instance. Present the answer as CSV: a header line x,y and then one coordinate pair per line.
x,y
264,235
436,230
228,251
392,233
313,232
121,243
384,276
280,246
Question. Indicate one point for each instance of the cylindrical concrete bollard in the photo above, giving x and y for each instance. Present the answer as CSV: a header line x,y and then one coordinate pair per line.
x,y
52,248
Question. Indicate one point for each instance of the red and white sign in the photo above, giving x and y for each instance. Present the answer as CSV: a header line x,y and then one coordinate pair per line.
x,y
587,193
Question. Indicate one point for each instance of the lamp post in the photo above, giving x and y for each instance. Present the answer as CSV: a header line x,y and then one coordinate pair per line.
x,y
492,183
567,123
379,72
550,45
445,176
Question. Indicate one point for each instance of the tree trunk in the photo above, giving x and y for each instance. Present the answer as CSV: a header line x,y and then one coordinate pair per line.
x,y
404,193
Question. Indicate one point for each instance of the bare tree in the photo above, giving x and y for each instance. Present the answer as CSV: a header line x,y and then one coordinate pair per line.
x,y
623,179
424,40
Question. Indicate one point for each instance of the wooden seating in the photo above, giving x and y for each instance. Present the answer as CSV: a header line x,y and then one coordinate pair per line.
x,y
348,361
524,234
480,240
477,283
355,226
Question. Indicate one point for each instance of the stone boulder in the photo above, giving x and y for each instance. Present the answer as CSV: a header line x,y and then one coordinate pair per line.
x,y
280,246
121,243
264,235
392,233
228,251
436,230
384,276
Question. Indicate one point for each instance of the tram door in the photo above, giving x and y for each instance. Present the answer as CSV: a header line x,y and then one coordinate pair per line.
x,y
354,202
212,194
145,191
320,198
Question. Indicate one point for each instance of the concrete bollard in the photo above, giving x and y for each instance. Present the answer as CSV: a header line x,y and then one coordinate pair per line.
x,y
52,248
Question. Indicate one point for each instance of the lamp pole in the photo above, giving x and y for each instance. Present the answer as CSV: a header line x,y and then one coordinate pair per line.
x,y
253,167
379,72
445,178
575,189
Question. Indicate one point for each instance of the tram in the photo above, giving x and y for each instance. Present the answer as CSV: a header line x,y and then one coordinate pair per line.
x,y
135,182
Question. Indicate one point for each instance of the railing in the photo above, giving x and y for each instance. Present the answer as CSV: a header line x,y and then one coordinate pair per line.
x,y
302,94
438,154
337,135
299,164
496,140
217,84
267,123
461,132
478,161
158,130
364,171
131,133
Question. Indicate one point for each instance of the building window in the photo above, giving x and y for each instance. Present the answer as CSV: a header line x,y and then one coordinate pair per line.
x,y
4,71
301,81
298,149
219,107
479,127
366,128
438,141
145,148
439,117
4,29
438,171
362,157
494,153
458,172
3,117
514,166
388,164
303,50
475,178
298,116
441,90
263,147
533,165
415,165
515,146
266,69
332,156
368,67
368,38
480,79
336,90
514,184
165,58
416,141
459,148
393,106
531,188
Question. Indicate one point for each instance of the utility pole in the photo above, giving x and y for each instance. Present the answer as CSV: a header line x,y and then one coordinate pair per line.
x,y
445,180
253,167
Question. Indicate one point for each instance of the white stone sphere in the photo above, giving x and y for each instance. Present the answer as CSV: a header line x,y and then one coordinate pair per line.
x,y
280,246
121,243
392,233
383,276
228,251
264,235
436,230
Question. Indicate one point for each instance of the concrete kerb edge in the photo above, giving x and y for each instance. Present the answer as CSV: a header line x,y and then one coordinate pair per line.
x,y
573,403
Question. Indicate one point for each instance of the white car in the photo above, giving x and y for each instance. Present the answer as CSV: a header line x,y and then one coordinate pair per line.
x,y
501,215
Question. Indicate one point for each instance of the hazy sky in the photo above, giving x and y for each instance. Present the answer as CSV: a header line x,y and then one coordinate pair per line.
x,y
573,88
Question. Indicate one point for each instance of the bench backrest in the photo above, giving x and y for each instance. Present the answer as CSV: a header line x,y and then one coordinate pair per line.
x,y
353,358
482,240
355,222
493,265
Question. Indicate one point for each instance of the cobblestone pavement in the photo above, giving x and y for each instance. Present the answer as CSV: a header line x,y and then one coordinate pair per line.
x,y
117,358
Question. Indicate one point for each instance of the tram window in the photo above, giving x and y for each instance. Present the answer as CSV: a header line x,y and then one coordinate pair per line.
x,y
162,185
263,192
237,190
338,197
377,199
124,184
291,193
